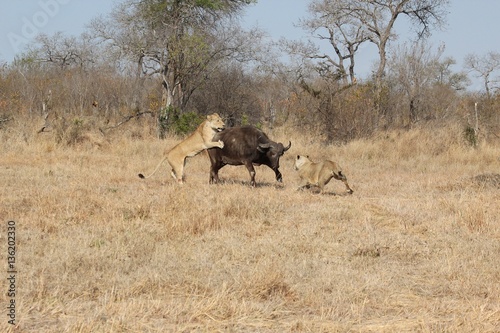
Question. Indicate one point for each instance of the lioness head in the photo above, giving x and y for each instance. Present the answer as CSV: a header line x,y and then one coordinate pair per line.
x,y
300,161
216,122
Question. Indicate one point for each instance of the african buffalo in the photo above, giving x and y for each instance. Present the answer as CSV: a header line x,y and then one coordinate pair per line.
x,y
245,145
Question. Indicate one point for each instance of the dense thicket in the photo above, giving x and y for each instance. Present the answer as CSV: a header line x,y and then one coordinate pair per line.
x,y
172,79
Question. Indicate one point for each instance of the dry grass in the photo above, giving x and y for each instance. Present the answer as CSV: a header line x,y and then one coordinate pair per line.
x,y
414,249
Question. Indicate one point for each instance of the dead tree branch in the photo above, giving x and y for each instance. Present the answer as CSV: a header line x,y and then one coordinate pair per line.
x,y
125,120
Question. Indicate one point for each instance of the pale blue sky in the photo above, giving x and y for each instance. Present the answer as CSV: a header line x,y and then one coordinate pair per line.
x,y
473,26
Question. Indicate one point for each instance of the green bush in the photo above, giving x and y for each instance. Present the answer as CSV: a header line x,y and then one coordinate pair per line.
x,y
185,123
171,120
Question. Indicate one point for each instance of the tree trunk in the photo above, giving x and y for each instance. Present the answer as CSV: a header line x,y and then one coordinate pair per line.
x,y
413,112
138,85
165,109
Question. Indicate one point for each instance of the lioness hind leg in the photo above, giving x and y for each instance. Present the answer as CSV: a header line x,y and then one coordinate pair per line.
x,y
349,189
177,170
344,180
340,176
174,176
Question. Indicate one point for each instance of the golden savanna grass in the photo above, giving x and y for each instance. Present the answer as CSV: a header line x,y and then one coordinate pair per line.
x,y
414,249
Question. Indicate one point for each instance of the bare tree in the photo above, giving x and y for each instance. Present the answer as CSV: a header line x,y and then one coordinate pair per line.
x,y
414,68
354,21
417,71
341,32
51,56
64,51
485,67
231,92
179,40
379,16
456,80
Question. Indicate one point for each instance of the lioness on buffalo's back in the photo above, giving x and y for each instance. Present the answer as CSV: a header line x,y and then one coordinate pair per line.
x,y
248,146
200,140
319,174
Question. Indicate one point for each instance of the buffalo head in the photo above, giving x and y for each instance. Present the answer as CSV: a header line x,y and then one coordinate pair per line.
x,y
273,152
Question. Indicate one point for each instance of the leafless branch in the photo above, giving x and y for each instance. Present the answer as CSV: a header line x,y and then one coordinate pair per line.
x,y
125,120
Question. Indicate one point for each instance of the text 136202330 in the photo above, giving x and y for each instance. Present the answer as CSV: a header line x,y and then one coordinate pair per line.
x,y
11,272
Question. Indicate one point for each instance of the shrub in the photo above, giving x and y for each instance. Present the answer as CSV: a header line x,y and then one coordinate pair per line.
x,y
171,120
185,123
470,136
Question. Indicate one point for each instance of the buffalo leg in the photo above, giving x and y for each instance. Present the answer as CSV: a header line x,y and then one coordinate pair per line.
x,y
251,171
215,165
214,173
279,178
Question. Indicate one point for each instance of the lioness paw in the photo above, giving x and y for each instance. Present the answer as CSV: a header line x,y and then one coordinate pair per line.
x,y
221,144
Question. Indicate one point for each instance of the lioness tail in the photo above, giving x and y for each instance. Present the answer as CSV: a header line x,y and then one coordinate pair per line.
x,y
157,167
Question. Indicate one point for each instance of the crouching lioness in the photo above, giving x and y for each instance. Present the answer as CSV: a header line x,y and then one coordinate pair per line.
x,y
200,140
318,174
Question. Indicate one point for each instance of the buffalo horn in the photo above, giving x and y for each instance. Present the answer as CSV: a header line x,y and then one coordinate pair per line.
x,y
263,146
